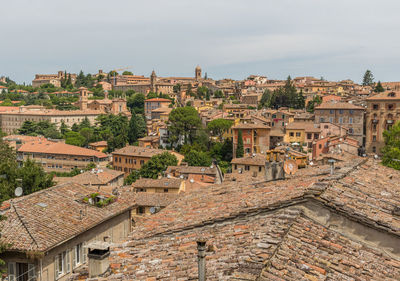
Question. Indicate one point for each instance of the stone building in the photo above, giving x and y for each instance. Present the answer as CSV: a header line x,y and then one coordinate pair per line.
x,y
383,111
60,157
131,158
162,185
48,231
54,79
343,114
256,138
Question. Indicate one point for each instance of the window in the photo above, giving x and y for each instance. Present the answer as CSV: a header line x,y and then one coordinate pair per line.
x,y
375,106
340,111
350,120
322,119
316,136
309,136
141,162
373,138
331,111
235,167
298,134
291,134
165,190
331,119
259,169
247,167
248,141
373,149
21,271
62,264
351,131
320,146
140,210
390,106
340,120
78,255
326,127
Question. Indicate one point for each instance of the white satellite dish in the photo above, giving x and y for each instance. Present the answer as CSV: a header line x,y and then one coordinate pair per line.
x,y
153,210
18,191
191,180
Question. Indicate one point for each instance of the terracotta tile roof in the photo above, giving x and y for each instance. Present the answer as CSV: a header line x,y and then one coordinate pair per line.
x,y
385,96
101,176
158,100
50,147
268,231
44,219
158,183
251,126
306,126
155,199
150,138
22,138
338,105
98,143
192,170
138,151
257,160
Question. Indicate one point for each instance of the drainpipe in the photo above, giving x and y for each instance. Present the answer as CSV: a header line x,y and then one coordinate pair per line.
x,y
41,269
201,249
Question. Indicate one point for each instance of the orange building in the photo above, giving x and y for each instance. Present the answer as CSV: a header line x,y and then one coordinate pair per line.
x,y
255,138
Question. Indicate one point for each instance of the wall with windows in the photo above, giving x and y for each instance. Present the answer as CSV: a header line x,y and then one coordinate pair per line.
x,y
60,262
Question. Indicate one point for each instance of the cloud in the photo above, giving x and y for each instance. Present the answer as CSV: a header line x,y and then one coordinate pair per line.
x,y
338,39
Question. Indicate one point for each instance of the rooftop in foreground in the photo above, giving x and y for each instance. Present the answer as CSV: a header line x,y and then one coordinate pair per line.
x,y
312,226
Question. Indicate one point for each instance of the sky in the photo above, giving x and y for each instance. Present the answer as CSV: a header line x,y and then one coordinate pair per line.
x,y
335,39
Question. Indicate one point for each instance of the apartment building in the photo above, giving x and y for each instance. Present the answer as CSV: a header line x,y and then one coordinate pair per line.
x,y
303,133
343,114
254,165
156,103
200,174
54,79
131,157
60,157
49,231
383,111
256,138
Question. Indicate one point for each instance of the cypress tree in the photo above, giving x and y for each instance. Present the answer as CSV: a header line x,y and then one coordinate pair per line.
x,y
240,148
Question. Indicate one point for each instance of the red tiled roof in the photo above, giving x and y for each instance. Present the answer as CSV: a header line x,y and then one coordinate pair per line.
x,y
338,105
158,99
50,147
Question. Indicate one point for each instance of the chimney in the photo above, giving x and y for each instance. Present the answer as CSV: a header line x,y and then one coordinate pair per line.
x,y
98,258
332,163
201,255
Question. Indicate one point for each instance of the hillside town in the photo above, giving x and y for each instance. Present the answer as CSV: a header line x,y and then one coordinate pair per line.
x,y
118,175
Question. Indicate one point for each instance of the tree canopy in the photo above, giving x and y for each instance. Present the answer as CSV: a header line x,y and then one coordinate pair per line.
x,y
183,122
157,165
240,147
217,127
391,150
286,96
379,88
368,79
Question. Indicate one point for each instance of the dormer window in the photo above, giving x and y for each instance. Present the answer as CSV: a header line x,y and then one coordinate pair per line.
x,y
392,94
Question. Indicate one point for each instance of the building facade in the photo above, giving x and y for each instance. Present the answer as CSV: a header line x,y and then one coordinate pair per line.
x,y
383,111
256,138
343,114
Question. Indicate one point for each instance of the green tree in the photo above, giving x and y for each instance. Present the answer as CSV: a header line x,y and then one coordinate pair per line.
x,y
136,103
218,127
317,100
74,138
391,150
157,165
300,101
198,158
34,178
379,88
240,147
63,128
88,134
132,177
85,123
127,73
183,122
137,128
368,79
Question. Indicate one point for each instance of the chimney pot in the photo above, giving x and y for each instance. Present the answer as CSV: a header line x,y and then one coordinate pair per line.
x,y
201,248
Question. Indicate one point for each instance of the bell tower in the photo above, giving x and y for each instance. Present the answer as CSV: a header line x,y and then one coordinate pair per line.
x,y
197,73
153,80
83,98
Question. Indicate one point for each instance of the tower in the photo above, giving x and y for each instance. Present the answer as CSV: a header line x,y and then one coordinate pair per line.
x,y
197,73
83,98
153,78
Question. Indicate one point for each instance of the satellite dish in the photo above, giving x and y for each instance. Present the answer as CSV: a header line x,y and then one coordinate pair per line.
x,y
18,191
152,210
192,180
290,167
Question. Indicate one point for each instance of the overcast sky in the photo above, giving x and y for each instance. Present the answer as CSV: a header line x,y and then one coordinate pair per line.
x,y
336,39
